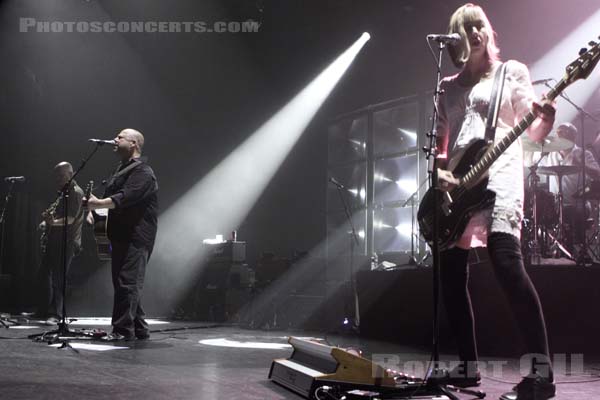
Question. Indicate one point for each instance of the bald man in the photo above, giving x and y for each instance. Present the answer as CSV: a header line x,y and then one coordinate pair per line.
x,y
52,267
576,210
131,198
572,156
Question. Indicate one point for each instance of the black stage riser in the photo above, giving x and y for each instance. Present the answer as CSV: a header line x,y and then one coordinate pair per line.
x,y
397,305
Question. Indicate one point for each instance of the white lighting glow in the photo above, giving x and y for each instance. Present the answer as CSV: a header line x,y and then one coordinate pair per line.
x,y
411,134
221,342
91,346
358,143
408,186
553,65
221,200
381,178
380,225
404,229
107,321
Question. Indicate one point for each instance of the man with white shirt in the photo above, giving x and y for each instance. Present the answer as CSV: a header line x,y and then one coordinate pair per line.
x,y
576,210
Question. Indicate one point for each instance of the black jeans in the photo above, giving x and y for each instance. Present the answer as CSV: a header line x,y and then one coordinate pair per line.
x,y
505,254
51,278
128,272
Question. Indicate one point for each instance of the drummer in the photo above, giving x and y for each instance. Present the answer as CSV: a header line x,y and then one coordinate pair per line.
x,y
571,156
576,210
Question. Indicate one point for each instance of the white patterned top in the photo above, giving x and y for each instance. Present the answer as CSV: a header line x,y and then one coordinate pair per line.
x,y
462,119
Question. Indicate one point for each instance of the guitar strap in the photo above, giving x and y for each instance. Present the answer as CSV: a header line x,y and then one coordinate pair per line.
x,y
128,168
495,102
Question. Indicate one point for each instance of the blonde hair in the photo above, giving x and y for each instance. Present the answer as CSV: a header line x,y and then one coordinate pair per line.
x,y
460,52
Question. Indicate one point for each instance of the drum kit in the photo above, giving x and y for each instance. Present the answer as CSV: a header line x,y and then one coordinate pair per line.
x,y
547,232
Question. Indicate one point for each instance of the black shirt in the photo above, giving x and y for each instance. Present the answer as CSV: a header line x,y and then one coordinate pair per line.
x,y
133,189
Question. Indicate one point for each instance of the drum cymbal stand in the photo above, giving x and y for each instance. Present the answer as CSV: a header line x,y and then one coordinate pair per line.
x,y
557,247
533,243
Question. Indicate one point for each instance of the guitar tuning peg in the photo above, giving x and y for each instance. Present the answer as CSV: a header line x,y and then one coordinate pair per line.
x,y
582,51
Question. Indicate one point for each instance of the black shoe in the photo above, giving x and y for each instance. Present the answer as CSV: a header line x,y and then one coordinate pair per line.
x,y
461,377
116,337
142,336
532,387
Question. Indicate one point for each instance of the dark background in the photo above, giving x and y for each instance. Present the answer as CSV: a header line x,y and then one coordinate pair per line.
x,y
197,96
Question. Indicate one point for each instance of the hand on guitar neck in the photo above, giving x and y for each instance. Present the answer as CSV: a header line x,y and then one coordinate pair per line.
x,y
545,112
97,216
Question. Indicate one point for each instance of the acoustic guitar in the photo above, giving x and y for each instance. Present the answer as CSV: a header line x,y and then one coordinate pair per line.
x,y
100,227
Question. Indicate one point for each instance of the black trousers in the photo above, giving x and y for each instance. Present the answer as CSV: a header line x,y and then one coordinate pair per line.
x,y
128,272
505,254
51,278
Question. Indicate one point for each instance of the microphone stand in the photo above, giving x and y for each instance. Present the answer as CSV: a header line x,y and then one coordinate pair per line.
x,y
582,115
3,320
355,320
63,334
436,376
2,222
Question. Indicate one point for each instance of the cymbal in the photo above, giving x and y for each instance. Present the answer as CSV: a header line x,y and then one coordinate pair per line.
x,y
549,144
559,170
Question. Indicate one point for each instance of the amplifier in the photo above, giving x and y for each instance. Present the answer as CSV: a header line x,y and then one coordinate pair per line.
x,y
226,251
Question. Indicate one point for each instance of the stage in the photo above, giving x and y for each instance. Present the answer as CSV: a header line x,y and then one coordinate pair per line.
x,y
194,360
397,305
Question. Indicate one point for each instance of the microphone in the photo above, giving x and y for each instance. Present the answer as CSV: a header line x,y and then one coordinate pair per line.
x,y
336,183
12,179
542,81
448,39
101,142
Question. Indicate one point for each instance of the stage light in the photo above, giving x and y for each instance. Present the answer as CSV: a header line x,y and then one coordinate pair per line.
x,y
408,186
358,144
411,134
221,200
381,178
404,229
381,225
362,193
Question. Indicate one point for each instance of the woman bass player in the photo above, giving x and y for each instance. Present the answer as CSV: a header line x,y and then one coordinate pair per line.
x,y
463,108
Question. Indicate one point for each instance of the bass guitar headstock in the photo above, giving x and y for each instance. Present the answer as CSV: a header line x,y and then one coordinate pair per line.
x,y
583,66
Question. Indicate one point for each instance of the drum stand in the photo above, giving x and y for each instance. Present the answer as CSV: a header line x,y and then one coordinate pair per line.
x,y
533,244
536,237
557,247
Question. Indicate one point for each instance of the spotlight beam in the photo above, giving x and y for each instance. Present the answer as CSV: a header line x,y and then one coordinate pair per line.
x,y
554,62
223,198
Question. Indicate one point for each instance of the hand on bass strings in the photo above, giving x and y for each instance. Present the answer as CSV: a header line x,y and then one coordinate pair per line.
x,y
446,180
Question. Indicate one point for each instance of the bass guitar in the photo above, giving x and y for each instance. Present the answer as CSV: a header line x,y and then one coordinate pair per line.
x,y
470,194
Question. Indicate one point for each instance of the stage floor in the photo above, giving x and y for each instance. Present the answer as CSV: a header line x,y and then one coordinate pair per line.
x,y
195,360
